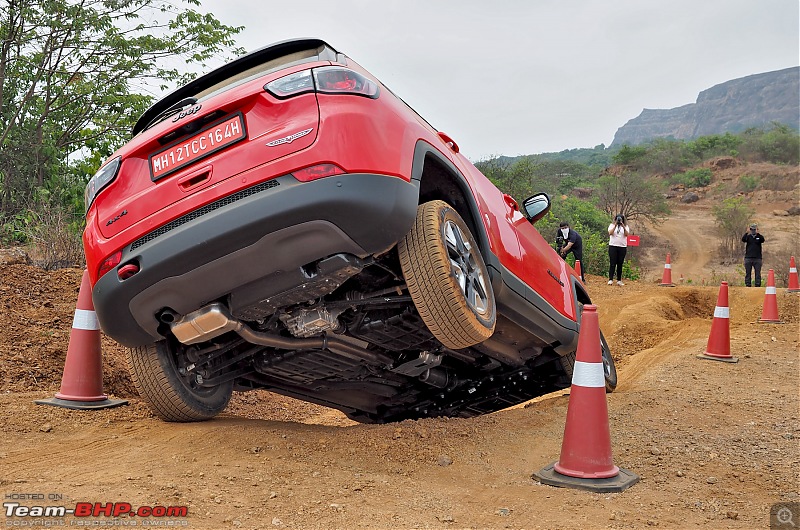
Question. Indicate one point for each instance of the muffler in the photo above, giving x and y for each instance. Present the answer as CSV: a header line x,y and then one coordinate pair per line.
x,y
214,320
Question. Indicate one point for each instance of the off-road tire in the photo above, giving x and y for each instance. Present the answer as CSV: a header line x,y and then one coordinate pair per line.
x,y
433,283
170,395
609,369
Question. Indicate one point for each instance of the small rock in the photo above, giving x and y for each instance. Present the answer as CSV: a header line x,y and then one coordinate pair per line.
x,y
680,473
711,480
690,197
255,450
273,494
732,515
446,519
46,428
445,460
655,451
504,512
337,507
276,522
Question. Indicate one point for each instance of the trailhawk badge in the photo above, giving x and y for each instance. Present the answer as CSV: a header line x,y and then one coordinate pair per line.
x,y
289,139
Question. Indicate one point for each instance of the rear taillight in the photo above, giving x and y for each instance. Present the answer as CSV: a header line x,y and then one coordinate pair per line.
x,y
317,172
109,263
100,180
327,80
291,85
339,80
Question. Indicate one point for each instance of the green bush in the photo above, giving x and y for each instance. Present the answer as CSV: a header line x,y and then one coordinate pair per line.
x,y
693,178
748,183
631,270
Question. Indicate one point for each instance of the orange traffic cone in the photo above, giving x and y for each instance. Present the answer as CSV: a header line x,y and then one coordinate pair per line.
x,y
794,283
586,461
666,278
578,269
719,340
82,381
770,311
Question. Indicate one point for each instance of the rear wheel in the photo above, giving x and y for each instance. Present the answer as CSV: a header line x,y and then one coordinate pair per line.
x,y
172,396
447,278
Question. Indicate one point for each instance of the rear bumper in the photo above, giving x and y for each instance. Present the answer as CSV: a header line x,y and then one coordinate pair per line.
x,y
207,254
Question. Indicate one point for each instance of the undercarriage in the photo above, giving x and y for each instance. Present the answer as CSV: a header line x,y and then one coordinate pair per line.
x,y
349,336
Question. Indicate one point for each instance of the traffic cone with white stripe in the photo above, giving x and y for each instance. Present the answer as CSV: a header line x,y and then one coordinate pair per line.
x,y
769,313
794,283
719,340
666,278
82,381
586,461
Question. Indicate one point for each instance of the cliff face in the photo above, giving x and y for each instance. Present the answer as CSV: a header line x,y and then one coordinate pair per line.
x,y
732,106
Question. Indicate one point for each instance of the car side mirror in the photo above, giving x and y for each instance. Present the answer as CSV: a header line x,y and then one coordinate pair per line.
x,y
536,207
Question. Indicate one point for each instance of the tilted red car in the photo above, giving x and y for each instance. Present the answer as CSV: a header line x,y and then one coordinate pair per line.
x,y
286,222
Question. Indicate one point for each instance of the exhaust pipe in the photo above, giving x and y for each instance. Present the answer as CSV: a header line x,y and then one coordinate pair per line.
x,y
214,320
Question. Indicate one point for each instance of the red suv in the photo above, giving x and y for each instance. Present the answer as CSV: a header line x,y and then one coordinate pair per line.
x,y
288,223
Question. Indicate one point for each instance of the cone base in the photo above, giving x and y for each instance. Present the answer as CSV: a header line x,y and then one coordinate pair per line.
x,y
666,285
624,480
790,290
711,357
82,405
770,321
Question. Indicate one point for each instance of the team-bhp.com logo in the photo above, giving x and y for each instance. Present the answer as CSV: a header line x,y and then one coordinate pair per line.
x,y
98,509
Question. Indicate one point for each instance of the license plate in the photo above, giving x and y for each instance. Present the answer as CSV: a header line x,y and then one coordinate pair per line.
x,y
206,142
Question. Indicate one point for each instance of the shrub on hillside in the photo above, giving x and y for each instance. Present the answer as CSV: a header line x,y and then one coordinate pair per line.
x,y
694,178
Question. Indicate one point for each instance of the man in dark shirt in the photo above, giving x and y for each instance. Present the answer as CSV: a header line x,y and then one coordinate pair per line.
x,y
752,254
568,240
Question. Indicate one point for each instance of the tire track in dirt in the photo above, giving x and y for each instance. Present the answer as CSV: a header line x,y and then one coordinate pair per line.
x,y
690,236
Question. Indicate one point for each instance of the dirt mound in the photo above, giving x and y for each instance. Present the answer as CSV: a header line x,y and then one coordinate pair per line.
x,y
37,311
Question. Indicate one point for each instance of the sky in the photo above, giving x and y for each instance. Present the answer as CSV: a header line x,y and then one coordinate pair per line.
x,y
516,77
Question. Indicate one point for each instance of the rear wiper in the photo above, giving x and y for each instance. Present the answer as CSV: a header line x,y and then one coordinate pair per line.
x,y
172,109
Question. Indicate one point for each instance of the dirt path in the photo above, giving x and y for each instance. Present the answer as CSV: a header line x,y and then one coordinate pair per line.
x,y
714,443
690,236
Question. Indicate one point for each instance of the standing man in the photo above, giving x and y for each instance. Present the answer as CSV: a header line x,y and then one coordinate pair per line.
x,y
752,254
568,240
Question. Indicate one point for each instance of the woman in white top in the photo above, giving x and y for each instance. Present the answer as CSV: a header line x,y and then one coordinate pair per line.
x,y
618,232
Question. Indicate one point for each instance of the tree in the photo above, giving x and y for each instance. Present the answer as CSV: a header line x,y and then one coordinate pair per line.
x,y
732,218
629,154
74,74
631,194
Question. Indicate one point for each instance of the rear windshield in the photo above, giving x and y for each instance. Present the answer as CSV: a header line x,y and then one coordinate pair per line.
x,y
254,64
262,69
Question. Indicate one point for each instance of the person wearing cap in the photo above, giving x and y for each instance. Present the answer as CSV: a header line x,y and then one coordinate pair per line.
x,y
752,254
568,240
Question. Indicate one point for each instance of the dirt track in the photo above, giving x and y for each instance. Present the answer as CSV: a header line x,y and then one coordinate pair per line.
x,y
714,443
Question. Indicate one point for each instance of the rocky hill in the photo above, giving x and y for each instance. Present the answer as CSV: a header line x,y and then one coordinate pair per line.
x,y
732,106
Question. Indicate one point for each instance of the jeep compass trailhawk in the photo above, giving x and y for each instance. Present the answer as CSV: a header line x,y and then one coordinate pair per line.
x,y
286,222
